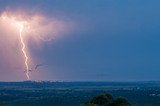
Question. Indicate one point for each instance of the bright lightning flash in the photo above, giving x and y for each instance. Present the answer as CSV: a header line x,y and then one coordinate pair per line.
x,y
20,25
36,27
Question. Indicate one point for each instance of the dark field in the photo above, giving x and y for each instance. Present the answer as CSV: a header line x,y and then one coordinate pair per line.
x,y
76,93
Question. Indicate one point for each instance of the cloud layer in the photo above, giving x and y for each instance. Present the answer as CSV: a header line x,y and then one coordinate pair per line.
x,y
38,30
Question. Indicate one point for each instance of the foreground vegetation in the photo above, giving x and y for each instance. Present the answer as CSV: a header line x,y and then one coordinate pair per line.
x,y
107,100
78,93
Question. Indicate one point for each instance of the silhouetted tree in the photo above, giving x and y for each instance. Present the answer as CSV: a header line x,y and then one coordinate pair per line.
x,y
107,100
102,100
120,101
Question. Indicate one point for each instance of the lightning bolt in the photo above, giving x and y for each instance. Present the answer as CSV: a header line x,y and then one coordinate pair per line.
x,y
24,50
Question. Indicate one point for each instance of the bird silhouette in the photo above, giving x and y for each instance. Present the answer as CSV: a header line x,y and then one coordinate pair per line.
x,y
38,65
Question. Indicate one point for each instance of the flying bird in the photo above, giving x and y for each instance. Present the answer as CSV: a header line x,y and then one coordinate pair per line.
x,y
38,65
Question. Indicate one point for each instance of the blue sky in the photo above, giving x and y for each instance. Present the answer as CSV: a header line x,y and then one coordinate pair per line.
x,y
114,40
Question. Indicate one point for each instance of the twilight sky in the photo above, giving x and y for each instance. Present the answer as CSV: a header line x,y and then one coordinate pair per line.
x,y
104,40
